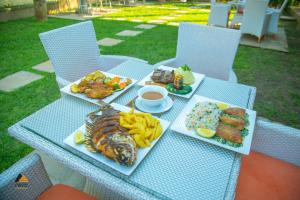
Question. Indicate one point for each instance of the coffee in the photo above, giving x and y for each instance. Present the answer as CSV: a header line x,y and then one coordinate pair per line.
x,y
152,95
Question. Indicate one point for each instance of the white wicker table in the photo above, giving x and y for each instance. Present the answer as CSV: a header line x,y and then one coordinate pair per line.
x,y
178,167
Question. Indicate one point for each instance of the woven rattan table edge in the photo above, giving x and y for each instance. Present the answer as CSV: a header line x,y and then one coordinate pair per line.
x,y
74,162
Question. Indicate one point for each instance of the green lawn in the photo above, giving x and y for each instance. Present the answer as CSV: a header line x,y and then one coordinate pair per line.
x,y
275,74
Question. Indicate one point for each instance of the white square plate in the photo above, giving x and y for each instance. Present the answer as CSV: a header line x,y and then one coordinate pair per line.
x,y
141,153
179,126
198,79
67,90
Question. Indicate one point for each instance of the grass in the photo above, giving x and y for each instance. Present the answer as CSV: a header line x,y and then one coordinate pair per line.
x,y
275,74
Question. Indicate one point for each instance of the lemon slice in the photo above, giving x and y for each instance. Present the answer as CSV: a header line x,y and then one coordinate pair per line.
x,y
79,137
222,106
204,132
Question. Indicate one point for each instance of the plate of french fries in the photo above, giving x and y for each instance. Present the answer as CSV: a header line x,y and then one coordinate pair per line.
x,y
144,128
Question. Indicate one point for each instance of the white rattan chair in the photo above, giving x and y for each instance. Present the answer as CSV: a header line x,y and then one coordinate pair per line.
x,y
239,6
28,179
74,52
277,140
206,49
272,170
256,18
219,14
275,15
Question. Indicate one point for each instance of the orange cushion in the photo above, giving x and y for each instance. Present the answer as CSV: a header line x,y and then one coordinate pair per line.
x,y
263,177
64,192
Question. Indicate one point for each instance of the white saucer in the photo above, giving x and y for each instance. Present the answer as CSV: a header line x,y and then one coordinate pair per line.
x,y
165,106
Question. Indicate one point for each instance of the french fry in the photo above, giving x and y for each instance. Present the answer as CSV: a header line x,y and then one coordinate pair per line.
x,y
134,131
157,132
148,133
142,126
141,143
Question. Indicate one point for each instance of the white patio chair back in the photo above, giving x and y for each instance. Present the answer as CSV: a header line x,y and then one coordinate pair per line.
x,y
275,16
218,15
277,140
73,50
283,5
254,19
206,49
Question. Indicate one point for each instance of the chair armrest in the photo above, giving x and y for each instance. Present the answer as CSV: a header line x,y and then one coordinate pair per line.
x,y
38,181
170,62
108,62
278,141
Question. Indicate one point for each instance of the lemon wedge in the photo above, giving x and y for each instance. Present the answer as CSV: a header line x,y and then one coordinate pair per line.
x,y
204,132
222,106
79,137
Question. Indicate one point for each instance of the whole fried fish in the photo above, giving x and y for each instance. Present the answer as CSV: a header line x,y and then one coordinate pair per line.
x,y
105,135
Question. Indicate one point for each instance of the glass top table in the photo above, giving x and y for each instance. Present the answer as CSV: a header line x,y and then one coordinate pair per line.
x,y
178,167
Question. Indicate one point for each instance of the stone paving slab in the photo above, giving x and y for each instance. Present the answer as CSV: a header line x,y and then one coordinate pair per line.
x,y
173,24
109,42
18,80
145,26
120,19
181,11
157,21
173,8
45,67
279,43
176,15
166,17
288,18
136,20
129,33
74,16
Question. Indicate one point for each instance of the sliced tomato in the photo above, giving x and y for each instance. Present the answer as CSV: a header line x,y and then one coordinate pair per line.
x,y
116,79
122,85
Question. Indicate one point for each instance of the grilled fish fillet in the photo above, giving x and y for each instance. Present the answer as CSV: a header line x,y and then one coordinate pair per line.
x,y
229,133
235,111
237,122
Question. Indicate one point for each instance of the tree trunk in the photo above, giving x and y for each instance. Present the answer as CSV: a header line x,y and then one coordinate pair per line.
x,y
40,9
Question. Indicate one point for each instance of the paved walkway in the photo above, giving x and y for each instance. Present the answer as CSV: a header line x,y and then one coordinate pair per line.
x,y
268,42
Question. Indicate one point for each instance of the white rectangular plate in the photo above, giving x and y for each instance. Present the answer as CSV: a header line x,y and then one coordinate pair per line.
x,y
198,79
179,126
67,90
141,153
